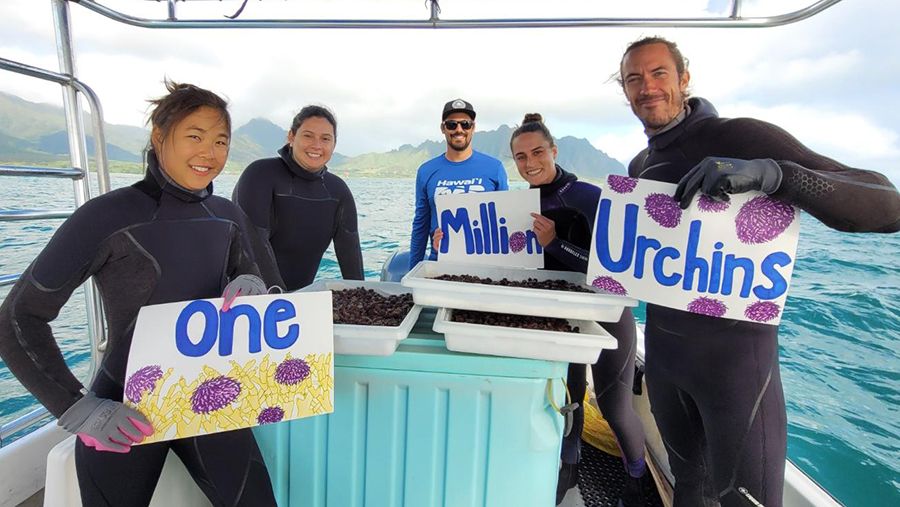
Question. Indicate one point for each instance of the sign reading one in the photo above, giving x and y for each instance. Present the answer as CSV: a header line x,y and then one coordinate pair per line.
x,y
724,259
194,369
490,228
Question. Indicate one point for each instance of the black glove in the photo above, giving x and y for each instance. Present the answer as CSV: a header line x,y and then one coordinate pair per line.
x,y
718,177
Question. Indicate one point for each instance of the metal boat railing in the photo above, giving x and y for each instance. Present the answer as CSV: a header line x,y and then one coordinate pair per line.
x,y
733,20
78,173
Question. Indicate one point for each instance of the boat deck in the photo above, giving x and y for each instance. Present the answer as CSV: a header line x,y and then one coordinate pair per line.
x,y
601,479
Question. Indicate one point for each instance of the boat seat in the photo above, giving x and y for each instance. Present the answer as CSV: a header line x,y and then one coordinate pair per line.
x,y
175,487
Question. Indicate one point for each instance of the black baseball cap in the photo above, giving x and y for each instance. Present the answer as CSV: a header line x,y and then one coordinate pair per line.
x,y
458,106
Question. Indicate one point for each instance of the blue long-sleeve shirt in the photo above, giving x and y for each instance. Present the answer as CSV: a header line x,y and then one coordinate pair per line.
x,y
439,176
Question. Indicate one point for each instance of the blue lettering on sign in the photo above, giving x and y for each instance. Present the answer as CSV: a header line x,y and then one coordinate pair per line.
x,y
486,234
603,253
218,327
717,275
779,284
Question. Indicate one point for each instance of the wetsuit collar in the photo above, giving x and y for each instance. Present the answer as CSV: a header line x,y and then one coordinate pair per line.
x,y
288,158
562,179
696,110
156,181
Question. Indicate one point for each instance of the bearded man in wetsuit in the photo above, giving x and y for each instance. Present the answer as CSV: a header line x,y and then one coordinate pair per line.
x,y
714,383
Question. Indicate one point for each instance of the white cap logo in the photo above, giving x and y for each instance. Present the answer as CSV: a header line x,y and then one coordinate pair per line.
x,y
458,104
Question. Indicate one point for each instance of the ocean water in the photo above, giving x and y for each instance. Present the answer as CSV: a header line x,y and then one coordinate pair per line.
x,y
840,335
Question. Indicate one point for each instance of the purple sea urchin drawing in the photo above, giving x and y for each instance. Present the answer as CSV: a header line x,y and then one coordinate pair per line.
x,y
215,394
142,381
762,219
762,311
609,284
517,241
663,210
710,205
270,415
291,371
621,184
707,306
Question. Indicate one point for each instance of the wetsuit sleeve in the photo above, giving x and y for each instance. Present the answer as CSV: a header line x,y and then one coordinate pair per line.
x,y
253,194
346,238
27,344
841,197
421,221
573,257
251,254
583,198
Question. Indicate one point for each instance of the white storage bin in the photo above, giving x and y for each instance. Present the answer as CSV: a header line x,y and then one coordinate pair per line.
x,y
582,347
516,300
368,340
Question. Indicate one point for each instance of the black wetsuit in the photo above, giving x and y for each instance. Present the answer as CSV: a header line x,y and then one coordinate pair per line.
x,y
714,384
572,205
146,244
301,213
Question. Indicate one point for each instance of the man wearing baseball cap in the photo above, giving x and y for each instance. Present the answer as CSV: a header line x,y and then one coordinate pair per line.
x,y
460,170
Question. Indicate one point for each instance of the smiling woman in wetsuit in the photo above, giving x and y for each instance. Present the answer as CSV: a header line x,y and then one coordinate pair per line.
x,y
564,229
163,239
300,207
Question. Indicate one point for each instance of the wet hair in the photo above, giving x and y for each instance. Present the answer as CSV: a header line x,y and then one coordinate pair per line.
x,y
681,63
313,112
182,100
532,122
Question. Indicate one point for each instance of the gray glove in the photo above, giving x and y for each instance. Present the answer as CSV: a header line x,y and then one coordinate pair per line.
x,y
105,425
243,285
718,177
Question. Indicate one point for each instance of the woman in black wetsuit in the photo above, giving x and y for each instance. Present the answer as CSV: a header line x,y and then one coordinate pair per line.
x,y
299,207
163,239
564,228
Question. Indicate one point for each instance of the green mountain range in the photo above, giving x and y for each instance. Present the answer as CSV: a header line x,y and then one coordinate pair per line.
x,y
34,134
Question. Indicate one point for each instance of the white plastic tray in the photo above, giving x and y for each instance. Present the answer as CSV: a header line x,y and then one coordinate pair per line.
x,y
582,347
516,300
368,340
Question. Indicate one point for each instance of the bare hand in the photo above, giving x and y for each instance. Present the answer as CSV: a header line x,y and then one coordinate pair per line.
x,y
436,239
544,229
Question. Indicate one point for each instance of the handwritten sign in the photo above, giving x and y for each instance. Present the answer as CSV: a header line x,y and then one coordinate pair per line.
x,y
490,228
723,259
194,370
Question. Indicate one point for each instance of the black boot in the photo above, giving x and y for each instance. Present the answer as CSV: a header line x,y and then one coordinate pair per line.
x,y
568,478
635,492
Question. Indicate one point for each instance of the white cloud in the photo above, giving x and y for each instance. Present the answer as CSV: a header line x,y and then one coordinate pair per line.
x,y
622,145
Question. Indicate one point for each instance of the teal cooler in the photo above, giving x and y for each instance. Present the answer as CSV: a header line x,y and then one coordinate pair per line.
x,y
424,427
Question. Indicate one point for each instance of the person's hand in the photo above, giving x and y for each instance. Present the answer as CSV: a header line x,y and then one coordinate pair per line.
x,y
436,239
544,229
717,177
243,285
105,425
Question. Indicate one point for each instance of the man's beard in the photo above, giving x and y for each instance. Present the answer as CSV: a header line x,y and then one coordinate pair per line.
x,y
464,147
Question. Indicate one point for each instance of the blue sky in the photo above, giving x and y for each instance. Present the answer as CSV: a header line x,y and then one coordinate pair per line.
x,y
830,80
